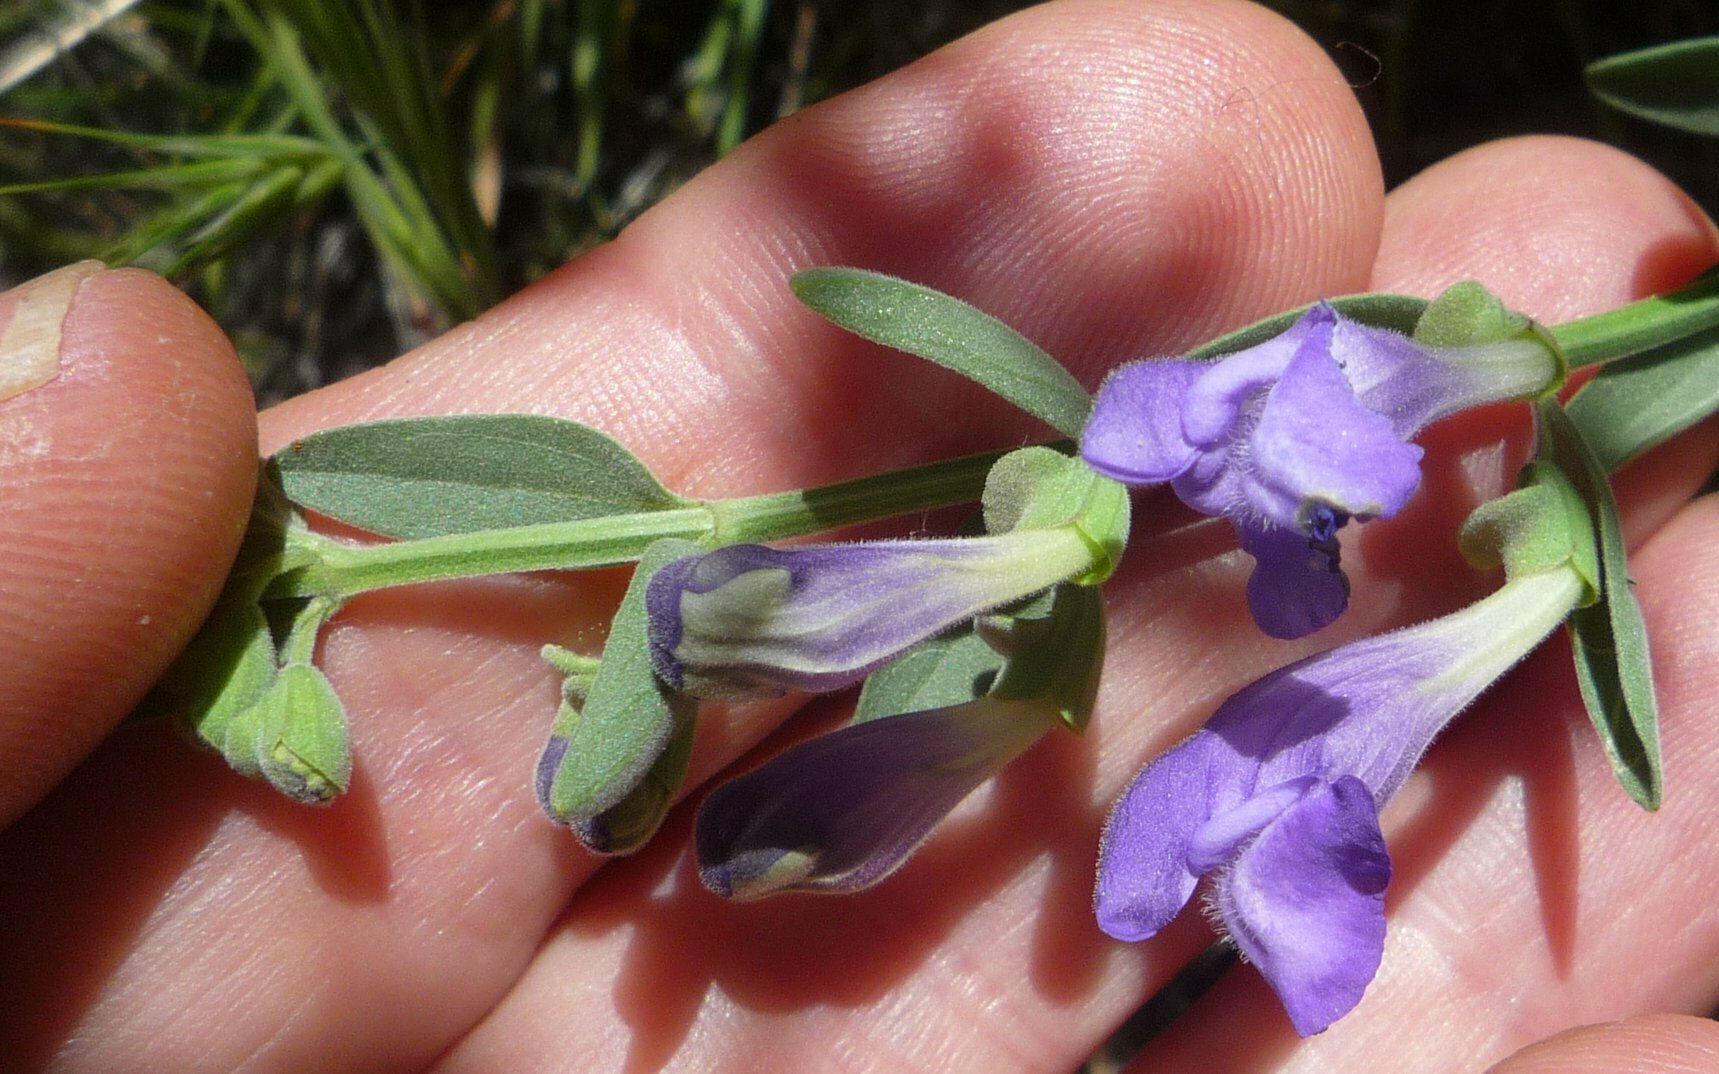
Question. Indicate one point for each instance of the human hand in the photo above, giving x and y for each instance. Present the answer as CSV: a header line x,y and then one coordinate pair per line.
x,y
1114,180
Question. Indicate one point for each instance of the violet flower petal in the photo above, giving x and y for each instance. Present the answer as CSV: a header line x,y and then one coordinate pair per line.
x,y
1316,444
1230,386
1135,432
1305,902
1144,875
1304,757
548,763
1414,385
1371,708
844,810
1313,423
1221,837
1297,585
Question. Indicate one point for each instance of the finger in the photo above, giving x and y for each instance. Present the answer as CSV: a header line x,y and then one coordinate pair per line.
x,y
1550,206
127,436
1110,177
1530,894
1651,1044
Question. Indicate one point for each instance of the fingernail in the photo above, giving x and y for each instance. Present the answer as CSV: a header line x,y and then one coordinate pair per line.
x,y
30,342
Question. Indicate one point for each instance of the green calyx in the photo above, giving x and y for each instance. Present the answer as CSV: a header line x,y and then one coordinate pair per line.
x,y
1542,526
1040,488
1470,324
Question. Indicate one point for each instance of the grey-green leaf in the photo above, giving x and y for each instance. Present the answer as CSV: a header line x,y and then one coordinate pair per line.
x,y
423,477
629,717
1635,403
952,334
1675,84
951,669
1609,637
1400,313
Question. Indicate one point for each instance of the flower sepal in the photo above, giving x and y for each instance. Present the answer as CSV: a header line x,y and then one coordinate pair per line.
x,y
612,765
1056,656
1470,326
1541,526
1038,488
748,620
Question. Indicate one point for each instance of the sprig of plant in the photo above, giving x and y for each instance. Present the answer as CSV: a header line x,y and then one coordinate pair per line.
x,y
484,494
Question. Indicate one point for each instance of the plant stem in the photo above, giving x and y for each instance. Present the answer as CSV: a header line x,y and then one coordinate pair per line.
x,y
341,571
1641,326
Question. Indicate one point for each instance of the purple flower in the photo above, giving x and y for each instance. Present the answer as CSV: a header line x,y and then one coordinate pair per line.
x,y
844,810
747,620
1276,798
1292,438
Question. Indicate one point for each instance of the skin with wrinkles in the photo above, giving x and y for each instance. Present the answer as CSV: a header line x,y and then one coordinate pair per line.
x,y
1114,179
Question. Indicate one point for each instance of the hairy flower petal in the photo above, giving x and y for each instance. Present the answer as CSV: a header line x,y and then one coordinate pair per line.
x,y
1135,434
1305,429
1414,385
1305,901
1144,875
1276,797
1316,444
1296,586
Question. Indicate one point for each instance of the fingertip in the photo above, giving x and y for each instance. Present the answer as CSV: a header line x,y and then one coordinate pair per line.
x,y
1103,175
127,474
1648,1044
1558,227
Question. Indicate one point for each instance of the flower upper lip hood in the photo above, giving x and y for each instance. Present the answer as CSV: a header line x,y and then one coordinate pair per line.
x,y
1293,437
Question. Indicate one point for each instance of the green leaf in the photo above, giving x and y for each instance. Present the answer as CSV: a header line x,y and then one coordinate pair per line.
x,y
1635,403
951,669
952,334
1609,637
1675,84
1058,657
630,716
425,477
1399,313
